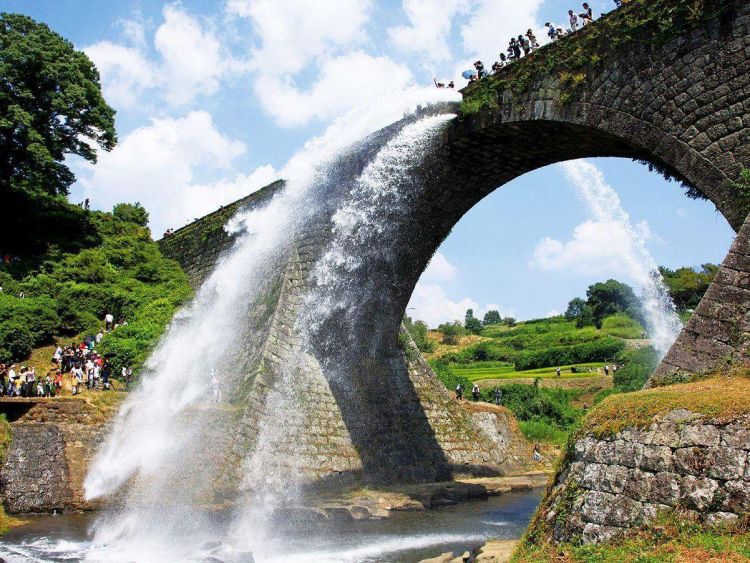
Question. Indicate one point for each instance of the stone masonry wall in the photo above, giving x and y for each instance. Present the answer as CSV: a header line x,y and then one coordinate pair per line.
x,y
52,446
681,461
683,105
717,333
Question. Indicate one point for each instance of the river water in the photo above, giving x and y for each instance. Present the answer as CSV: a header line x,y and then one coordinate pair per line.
x,y
405,537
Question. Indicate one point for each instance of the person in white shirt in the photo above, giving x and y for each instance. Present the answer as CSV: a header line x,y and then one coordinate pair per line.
x,y
108,321
99,336
573,18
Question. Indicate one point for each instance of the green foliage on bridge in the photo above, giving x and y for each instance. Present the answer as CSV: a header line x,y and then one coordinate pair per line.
x,y
574,57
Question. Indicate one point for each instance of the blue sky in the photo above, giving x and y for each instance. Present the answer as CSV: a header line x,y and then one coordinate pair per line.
x,y
214,97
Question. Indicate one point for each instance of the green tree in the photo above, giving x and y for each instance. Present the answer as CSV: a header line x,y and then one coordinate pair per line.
x,y
471,323
492,317
51,107
576,309
451,332
418,332
131,212
687,286
610,297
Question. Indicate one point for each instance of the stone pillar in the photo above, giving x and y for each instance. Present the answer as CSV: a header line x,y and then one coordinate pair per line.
x,y
717,333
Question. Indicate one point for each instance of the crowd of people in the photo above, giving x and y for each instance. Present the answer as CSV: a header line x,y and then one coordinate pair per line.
x,y
79,362
525,44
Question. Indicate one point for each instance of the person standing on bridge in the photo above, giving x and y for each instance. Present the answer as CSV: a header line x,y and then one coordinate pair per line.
x,y
573,19
588,14
525,45
532,39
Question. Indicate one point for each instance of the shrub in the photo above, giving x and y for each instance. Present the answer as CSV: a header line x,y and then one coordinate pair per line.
x,y
540,431
16,341
596,351
533,403
622,326
639,365
450,379
132,213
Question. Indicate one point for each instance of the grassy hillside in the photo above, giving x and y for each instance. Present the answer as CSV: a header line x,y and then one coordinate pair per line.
x,y
536,348
522,361
62,295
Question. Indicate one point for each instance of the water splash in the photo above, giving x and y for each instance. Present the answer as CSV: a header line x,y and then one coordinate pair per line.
x,y
156,439
604,205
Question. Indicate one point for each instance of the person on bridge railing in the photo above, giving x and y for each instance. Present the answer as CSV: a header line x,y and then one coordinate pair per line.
x,y
573,19
587,16
532,39
525,44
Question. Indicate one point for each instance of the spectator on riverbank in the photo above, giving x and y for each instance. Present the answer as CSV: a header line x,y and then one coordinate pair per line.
x,y
475,392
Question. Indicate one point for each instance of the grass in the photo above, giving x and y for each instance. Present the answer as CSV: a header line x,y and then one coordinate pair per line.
x,y
670,539
720,398
508,372
540,431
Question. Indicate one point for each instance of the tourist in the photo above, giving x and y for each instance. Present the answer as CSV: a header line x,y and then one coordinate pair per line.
x,y
498,395
128,377
22,381
573,19
537,455
106,373
532,40
481,73
587,16
77,373
516,46
525,45
109,320
99,336
57,356
58,382
438,84
451,84
11,380
30,381
48,386
552,31
475,392
557,372
497,66
606,370
459,392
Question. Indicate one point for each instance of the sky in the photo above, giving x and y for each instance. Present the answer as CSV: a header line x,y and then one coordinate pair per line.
x,y
214,97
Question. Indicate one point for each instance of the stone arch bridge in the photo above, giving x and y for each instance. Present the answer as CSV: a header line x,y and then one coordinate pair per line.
x,y
682,104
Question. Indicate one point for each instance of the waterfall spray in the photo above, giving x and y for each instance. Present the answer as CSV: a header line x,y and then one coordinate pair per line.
x,y
153,447
604,204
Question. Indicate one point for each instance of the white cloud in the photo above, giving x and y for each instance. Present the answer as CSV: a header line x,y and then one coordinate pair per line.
x,y
343,83
494,22
191,62
428,32
293,33
125,71
161,165
596,248
439,270
430,303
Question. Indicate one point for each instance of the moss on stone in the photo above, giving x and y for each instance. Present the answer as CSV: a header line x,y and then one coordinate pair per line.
x,y
720,398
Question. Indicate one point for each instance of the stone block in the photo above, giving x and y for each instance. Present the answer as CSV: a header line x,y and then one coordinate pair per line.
x,y
691,461
596,533
698,492
736,497
665,489
656,458
699,435
609,510
736,435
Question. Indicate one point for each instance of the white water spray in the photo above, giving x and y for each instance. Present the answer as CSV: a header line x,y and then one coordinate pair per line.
x,y
165,421
605,206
